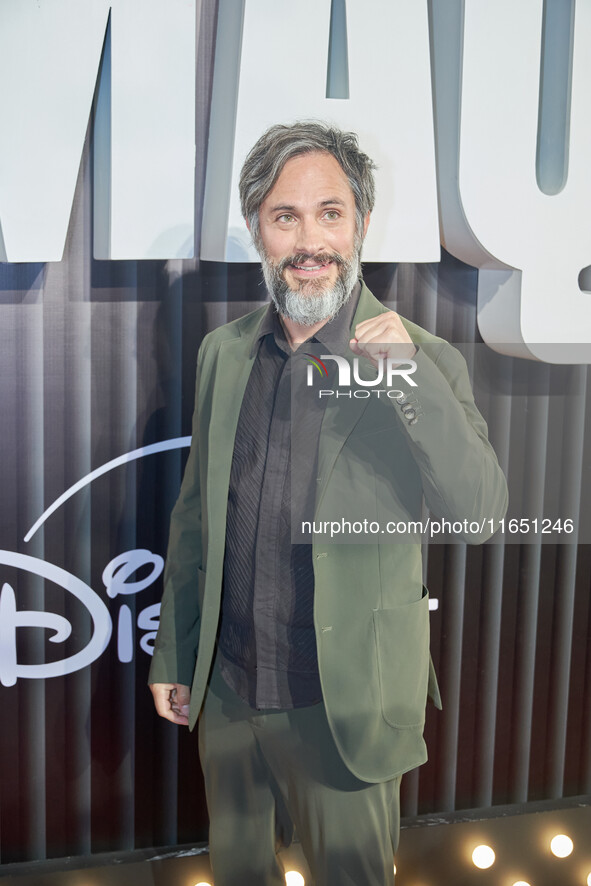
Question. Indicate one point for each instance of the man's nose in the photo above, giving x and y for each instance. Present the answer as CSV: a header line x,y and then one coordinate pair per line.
x,y
311,236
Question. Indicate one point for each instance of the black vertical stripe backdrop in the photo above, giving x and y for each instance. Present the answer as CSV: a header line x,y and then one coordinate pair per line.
x,y
96,359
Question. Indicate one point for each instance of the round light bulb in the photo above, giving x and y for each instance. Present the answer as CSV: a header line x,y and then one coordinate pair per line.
x,y
202,883
561,846
520,883
483,857
589,880
294,878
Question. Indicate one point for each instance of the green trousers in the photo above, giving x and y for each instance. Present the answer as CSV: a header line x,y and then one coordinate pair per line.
x,y
267,772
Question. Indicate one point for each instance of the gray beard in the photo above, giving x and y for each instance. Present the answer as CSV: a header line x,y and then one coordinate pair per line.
x,y
311,303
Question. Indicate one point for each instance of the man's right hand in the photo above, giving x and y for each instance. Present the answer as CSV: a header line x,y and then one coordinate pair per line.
x,y
172,701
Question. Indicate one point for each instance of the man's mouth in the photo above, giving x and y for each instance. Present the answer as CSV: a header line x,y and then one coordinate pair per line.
x,y
303,265
310,268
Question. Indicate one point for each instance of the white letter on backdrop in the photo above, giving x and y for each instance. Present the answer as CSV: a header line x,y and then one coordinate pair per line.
x,y
271,67
530,245
144,136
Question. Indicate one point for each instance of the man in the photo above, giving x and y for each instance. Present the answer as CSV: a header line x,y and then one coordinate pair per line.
x,y
308,664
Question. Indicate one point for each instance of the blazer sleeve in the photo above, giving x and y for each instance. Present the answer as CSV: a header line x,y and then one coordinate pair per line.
x,y
461,477
175,648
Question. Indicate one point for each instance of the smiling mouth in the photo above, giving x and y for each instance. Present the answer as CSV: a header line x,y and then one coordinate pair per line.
x,y
309,265
319,267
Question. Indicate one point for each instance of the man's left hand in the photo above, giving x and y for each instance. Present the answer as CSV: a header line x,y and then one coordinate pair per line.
x,y
383,336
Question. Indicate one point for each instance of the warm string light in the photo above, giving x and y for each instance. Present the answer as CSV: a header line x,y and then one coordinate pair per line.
x,y
561,846
292,878
483,857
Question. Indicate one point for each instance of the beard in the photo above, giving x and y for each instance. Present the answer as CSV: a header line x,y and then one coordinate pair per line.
x,y
313,301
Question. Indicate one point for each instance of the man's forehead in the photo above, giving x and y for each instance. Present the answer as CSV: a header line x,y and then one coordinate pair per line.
x,y
324,202
311,175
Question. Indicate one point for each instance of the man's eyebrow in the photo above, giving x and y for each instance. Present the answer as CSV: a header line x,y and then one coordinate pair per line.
x,y
286,207
282,207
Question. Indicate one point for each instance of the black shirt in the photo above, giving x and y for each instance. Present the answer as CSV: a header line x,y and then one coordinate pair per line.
x,y
267,639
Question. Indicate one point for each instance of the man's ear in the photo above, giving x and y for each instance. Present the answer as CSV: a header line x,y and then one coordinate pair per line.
x,y
247,225
365,223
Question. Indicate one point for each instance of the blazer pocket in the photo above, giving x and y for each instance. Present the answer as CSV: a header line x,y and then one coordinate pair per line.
x,y
402,646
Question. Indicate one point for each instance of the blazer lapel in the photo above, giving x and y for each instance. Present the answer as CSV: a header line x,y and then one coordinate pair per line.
x,y
343,413
234,368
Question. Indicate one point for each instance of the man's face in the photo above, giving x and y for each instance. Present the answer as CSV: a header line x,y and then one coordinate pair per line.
x,y
308,241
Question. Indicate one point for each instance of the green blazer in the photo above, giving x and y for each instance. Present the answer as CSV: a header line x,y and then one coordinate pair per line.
x,y
371,611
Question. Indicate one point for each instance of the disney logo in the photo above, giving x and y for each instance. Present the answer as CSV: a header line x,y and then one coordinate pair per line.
x,y
116,578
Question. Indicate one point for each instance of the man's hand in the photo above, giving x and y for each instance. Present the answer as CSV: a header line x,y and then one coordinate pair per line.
x,y
172,701
381,337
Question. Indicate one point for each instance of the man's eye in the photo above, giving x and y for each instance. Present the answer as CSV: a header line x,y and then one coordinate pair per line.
x,y
285,218
332,214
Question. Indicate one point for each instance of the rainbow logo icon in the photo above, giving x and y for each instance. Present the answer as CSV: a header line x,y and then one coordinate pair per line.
x,y
317,363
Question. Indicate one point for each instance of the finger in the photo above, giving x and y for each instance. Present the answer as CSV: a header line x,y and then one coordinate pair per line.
x,y
385,316
183,695
174,717
385,333
374,336
368,330
398,351
179,700
370,351
372,341
389,327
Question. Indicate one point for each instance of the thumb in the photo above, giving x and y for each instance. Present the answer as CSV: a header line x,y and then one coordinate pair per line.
x,y
183,696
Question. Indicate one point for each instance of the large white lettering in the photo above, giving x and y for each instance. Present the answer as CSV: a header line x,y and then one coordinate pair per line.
x,y
271,66
365,66
117,579
144,132
388,367
118,572
530,245
126,574
12,619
